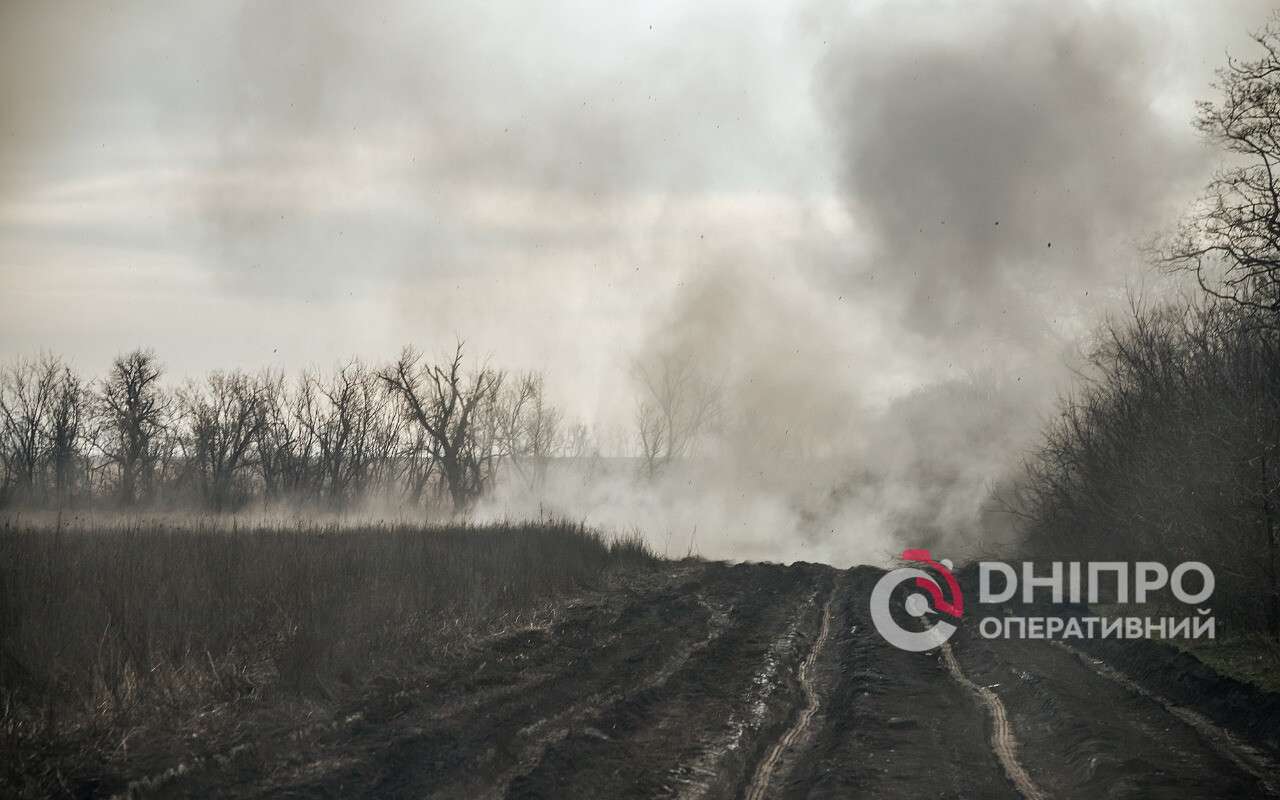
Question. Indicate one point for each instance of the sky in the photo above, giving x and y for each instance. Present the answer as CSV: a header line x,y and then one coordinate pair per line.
x,y
242,184
833,205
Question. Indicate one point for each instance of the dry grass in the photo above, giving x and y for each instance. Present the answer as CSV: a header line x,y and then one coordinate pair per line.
x,y
135,618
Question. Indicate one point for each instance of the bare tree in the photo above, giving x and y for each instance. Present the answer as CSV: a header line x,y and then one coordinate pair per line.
x,y
445,402
223,418
28,388
132,416
578,442
284,445
651,433
348,418
416,457
63,430
529,428
1231,242
677,406
581,447
416,430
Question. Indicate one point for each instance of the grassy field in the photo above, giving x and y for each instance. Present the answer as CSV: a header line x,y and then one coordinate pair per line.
x,y
1247,656
1251,658
113,627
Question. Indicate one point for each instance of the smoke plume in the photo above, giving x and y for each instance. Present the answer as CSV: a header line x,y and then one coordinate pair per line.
x,y
879,233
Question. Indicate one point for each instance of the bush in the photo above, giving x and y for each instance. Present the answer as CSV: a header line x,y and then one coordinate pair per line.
x,y
1169,452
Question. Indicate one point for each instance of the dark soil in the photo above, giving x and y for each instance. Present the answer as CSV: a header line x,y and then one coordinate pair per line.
x,y
680,681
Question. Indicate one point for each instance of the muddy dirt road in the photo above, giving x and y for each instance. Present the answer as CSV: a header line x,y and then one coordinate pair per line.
x,y
749,681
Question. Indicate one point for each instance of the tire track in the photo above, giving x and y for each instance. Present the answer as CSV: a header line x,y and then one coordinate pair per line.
x,y
760,783
557,726
892,724
1082,734
1003,743
691,736
1247,758
466,731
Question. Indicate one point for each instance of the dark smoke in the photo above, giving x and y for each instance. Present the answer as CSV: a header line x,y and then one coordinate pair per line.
x,y
1000,168
1004,172
880,229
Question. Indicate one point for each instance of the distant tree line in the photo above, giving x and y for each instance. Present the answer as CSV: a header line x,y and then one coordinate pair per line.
x,y
415,432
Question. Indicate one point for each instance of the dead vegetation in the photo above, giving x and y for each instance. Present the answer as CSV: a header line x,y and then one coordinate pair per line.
x,y
105,628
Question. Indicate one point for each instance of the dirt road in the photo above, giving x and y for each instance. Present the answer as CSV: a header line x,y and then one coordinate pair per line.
x,y
755,681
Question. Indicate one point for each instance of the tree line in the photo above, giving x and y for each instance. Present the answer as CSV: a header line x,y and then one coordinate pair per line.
x,y
1170,452
1169,449
416,431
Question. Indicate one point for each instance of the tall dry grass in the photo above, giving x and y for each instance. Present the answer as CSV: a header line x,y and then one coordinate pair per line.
x,y
106,619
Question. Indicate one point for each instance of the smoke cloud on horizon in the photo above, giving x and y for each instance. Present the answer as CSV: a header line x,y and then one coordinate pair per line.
x,y
880,230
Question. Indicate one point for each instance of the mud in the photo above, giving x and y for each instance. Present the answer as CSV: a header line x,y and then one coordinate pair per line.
x,y
1081,734
731,681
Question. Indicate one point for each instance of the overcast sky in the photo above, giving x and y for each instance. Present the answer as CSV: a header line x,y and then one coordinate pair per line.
x,y
880,194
